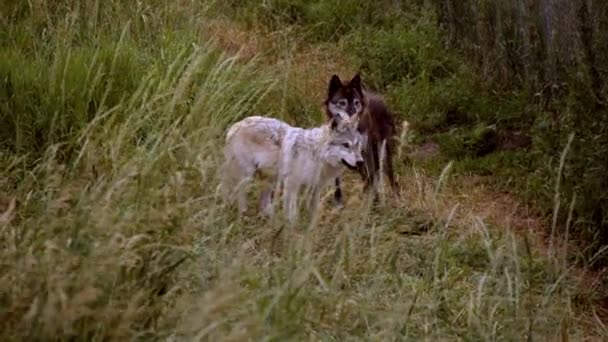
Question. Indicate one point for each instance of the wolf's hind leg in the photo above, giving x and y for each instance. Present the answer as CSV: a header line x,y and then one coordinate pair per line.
x,y
290,202
388,168
241,194
229,179
372,165
245,177
266,202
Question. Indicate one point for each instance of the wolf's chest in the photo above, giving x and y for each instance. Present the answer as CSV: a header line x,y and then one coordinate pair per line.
x,y
305,159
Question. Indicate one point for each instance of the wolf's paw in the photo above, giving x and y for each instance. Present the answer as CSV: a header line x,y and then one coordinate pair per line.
x,y
338,204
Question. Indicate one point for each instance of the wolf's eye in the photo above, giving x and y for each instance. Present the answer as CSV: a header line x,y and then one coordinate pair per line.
x,y
346,145
342,103
357,103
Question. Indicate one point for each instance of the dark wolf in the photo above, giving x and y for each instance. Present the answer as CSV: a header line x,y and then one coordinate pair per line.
x,y
375,123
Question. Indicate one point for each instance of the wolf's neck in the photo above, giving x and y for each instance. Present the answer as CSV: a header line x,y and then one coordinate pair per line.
x,y
316,136
317,141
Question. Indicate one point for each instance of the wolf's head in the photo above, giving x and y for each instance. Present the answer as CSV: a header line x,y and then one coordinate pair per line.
x,y
343,144
344,100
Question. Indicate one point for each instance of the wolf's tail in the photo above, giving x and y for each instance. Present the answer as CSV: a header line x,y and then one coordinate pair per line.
x,y
403,137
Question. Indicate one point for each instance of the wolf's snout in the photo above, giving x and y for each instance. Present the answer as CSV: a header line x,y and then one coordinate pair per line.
x,y
349,165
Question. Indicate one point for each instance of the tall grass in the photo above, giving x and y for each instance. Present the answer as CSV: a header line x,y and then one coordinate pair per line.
x,y
111,227
96,239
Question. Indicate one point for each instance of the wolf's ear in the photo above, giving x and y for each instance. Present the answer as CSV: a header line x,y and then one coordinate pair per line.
x,y
334,84
356,83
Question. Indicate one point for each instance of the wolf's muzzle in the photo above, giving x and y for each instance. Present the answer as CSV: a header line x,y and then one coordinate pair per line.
x,y
352,167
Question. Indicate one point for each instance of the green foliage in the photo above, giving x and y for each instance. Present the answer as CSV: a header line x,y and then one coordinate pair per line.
x,y
47,101
316,21
460,143
401,53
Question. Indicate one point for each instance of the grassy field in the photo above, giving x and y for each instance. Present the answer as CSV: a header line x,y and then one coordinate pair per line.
x,y
111,226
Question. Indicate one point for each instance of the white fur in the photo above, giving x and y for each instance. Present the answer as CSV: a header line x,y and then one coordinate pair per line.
x,y
339,109
291,157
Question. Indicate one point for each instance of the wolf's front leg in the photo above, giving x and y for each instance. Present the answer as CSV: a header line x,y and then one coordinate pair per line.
x,y
290,202
338,198
315,199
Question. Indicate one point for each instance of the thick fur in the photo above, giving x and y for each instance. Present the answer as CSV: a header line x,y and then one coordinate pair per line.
x,y
375,123
290,157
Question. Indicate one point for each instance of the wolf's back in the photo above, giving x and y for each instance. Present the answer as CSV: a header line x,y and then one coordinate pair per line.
x,y
233,128
260,126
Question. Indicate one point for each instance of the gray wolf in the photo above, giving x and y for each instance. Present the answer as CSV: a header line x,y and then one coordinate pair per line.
x,y
375,123
290,158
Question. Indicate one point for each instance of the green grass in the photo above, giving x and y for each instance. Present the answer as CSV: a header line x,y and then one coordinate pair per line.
x,y
111,226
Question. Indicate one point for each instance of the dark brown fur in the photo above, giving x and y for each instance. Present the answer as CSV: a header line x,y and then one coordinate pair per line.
x,y
375,121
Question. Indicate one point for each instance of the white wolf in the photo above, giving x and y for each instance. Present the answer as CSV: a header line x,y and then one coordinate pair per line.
x,y
290,157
